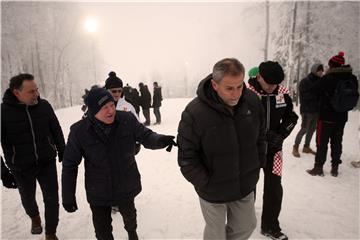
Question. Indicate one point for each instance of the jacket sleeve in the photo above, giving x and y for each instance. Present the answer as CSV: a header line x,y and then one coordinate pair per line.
x,y
146,136
262,143
288,120
189,152
72,158
57,133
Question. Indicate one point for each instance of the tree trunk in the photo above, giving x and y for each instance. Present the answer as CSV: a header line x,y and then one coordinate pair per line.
x,y
267,29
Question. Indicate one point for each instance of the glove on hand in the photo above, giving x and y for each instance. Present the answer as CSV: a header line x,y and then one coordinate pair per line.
x,y
70,207
275,141
60,156
8,180
167,140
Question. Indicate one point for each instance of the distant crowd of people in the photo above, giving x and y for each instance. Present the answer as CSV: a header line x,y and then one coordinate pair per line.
x,y
229,132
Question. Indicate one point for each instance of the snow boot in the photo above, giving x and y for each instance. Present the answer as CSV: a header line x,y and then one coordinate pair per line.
x,y
334,170
316,171
295,151
308,150
133,235
36,227
51,236
274,235
355,164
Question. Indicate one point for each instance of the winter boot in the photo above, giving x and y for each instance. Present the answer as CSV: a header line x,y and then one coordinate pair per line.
x,y
334,170
36,227
51,237
308,150
355,164
316,171
295,151
133,235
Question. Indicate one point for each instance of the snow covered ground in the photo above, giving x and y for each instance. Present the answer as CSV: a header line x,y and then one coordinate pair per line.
x,y
168,207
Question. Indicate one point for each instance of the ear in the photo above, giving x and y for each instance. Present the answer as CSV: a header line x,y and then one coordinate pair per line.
x,y
16,92
214,85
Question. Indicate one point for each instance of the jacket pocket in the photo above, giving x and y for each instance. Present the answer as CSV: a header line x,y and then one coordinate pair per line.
x,y
13,156
97,184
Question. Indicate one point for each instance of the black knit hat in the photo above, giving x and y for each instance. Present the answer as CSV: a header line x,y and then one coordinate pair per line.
x,y
337,60
113,81
271,72
96,99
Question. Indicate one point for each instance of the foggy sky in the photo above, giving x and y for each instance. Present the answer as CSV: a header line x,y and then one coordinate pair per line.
x,y
140,40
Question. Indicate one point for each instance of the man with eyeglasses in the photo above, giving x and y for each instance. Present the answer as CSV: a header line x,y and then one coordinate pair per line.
x,y
115,86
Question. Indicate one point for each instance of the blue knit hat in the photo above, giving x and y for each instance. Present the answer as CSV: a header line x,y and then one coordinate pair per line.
x,y
96,99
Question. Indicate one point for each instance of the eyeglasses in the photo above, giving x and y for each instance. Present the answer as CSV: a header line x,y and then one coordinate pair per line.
x,y
116,91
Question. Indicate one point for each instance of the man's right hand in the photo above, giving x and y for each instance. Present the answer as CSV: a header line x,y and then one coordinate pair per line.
x,y
8,180
70,207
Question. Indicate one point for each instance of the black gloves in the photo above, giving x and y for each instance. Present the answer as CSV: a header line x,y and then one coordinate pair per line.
x,y
275,141
70,207
6,176
60,156
8,180
167,140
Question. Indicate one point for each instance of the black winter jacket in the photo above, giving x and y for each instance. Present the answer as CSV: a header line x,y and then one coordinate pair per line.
x,y
309,101
157,97
325,90
145,97
221,153
111,172
280,116
30,135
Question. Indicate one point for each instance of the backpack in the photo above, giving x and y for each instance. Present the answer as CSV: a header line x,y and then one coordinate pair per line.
x,y
345,96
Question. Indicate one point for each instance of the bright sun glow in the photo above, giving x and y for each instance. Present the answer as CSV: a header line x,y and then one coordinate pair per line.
x,y
91,24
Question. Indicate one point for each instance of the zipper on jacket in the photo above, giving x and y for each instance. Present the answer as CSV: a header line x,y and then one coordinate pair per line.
x,y
267,113
33,134
13,156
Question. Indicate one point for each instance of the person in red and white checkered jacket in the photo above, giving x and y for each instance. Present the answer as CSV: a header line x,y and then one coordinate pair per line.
x,y
280,121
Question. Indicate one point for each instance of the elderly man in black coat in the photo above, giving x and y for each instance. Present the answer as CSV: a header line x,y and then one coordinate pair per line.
x,y
106,138
31,137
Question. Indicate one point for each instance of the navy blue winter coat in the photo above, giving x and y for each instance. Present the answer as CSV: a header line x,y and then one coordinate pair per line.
x,y
111,172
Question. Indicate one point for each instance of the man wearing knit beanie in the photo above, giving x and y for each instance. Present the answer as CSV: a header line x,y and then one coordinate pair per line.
x,y
115,86
281,120
106,139
332,119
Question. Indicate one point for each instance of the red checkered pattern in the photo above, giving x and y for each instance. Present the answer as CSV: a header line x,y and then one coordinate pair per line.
x,y
282,89
278,162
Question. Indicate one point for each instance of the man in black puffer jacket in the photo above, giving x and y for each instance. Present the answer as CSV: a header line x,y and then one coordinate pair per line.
x,y
221,139
106,138
31,137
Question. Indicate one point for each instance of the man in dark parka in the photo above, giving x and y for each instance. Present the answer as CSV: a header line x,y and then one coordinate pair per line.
x,y
221,139
106,138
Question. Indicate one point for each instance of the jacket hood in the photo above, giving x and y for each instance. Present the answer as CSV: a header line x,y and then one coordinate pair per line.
x,y
342,69
10,98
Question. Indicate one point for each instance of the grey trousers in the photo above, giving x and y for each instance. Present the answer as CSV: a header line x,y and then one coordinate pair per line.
x,y
232,220
308,126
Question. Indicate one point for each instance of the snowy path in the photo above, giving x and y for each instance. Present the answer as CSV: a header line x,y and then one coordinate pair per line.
x,y
168,208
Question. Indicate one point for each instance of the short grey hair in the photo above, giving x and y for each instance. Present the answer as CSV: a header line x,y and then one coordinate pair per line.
x,y
227,66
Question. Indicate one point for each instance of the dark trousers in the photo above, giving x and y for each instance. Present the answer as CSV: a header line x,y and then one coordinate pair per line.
x,y
101,216
308,126
272,198
325,132
46,175
157,114
146,113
